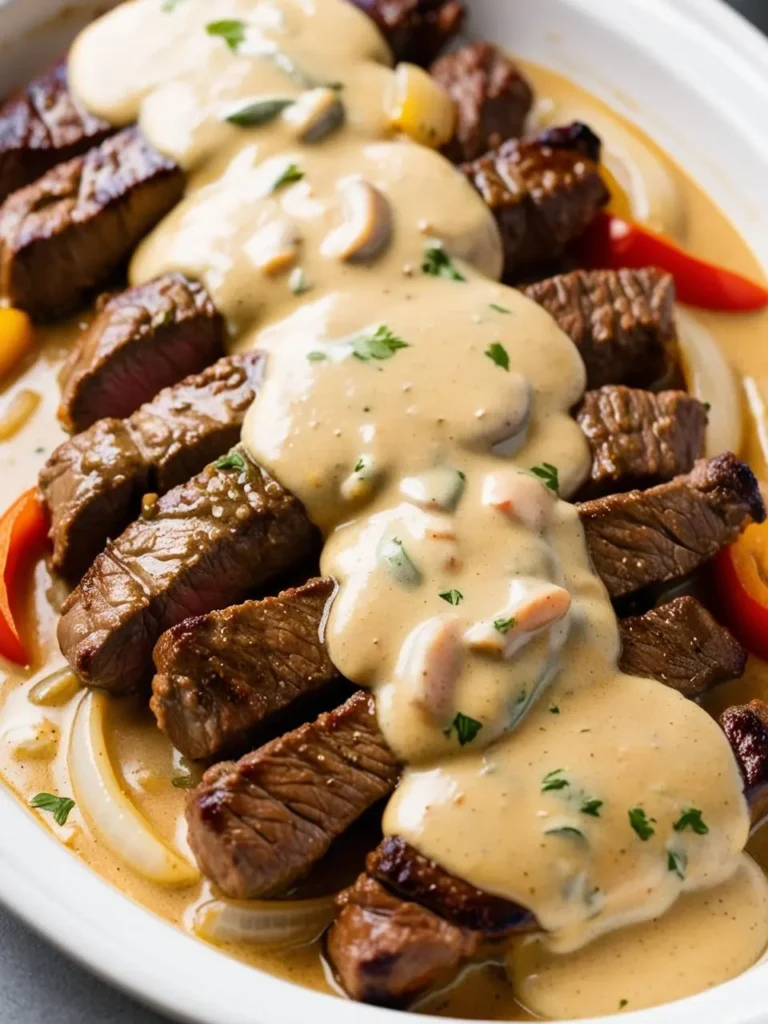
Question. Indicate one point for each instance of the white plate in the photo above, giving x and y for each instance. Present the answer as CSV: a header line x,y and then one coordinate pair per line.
x,y
696,76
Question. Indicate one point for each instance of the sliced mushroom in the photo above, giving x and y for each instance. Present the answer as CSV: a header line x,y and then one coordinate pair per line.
x,y
431,662
439,488
520,496
366,230
317,114
533,606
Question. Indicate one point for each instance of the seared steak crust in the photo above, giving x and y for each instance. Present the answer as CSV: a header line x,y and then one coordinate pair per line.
x,y
416,30
645,537
746,727
492,96
681,645
142,340
204,545
638,438
542,198
93,484
259,824
64,235
41,126
222,675
621,321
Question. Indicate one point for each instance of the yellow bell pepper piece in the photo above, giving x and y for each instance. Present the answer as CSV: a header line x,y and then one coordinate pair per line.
x,y
17,335
420,107
620,204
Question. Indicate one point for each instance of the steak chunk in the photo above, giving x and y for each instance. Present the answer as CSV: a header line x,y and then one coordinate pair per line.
x,y
206,544
416,30
542,198
222,675
142,340
93,484
64,235
41,126
645,537
387,951
621,321
681,645
258,825
492,96
746,727
638,438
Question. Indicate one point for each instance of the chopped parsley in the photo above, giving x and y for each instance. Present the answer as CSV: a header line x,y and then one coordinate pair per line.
x,y
554,781
316,357
548,474
360,465
168,5
230,30
437,263
677,862
261,112
233,460
693,820
504,625
591,807
568,831
290,175
623,1003
382,344
554,709
500,309
58,806
466,728
498,355
183,782
453,597
462,475
641,823
398,562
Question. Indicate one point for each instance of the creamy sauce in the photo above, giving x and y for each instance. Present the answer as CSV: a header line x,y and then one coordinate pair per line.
x,y
418,467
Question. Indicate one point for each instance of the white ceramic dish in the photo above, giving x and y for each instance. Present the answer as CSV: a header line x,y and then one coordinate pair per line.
x,y
696,76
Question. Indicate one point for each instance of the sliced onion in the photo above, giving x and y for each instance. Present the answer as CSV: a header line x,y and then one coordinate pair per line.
x,y
106,808
278,924
712,379
756,390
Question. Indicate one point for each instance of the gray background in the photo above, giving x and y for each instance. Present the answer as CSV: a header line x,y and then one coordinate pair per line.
x,y
39,985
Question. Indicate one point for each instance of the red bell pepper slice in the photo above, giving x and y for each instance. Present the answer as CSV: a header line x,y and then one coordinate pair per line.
x,y
741,574
23,531
612,243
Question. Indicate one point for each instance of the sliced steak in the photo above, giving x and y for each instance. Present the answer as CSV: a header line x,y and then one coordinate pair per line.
x,y
492,96
387,951
223,675
41,126
645,537
542,198
204,545
259,824
67,233
621,321
142,340
746,727
638,439
93,484
416,30
681,645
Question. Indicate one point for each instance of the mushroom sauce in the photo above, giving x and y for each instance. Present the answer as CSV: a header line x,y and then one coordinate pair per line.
x,y
420,410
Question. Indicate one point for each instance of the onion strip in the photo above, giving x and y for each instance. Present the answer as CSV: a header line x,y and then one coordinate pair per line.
x,y
106,808
276,924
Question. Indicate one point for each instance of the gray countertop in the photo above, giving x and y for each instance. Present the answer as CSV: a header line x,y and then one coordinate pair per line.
x,y
39,985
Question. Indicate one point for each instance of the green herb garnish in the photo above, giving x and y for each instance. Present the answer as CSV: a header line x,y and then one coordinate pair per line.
x,y
382,344
623,1003
360,465
500,309
182,782
591,807
58,806
437,263
499,355
565,830
466,728
233,460
693,820
398,562
290,175
230,30
168,5
316,357
260,112
641,823
554,709
453,597
548,474
554,780
677,862
504,625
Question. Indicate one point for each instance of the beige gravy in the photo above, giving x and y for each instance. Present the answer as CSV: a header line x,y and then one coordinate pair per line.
x,y
418,467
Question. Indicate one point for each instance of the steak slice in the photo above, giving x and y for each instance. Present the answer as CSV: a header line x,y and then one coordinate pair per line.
x,y
387,951
638,439
204,545
653,536
64,235
493,98
681,645
221,676
259,824
746,727
541,196
142,340
621,321
93,484
416,30
41,126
